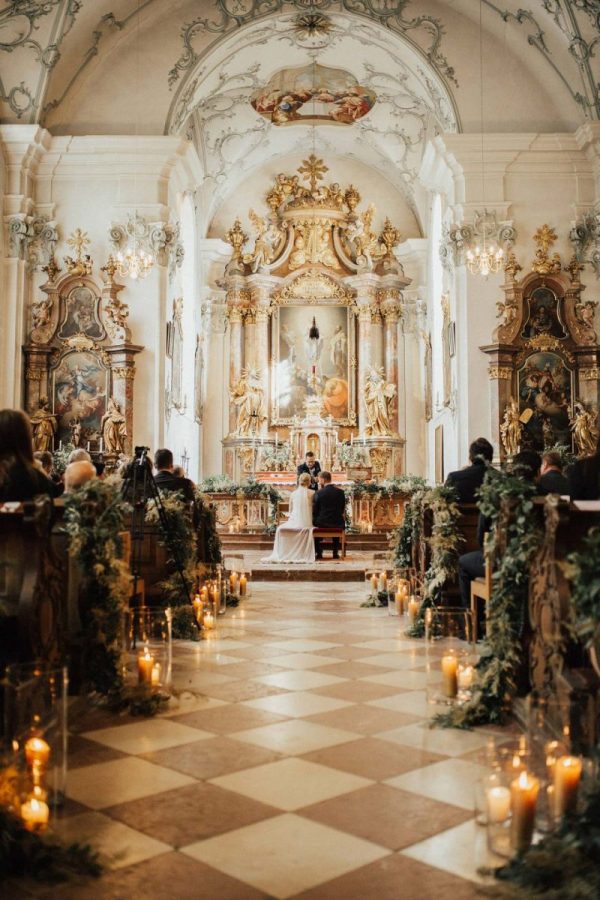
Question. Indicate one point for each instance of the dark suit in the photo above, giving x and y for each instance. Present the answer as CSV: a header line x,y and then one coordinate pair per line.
x,y
553,482
329,512
313,471
584,478
166,481
466,481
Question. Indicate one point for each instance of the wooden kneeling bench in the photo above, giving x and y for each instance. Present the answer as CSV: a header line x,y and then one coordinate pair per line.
x,y
328,533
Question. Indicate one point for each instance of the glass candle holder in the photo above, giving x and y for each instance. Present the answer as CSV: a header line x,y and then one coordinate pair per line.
x,y
372,583
35,730
498,814
449,655
149,649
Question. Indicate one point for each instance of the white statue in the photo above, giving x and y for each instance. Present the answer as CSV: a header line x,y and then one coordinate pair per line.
x,y
248,395
114,428
379,396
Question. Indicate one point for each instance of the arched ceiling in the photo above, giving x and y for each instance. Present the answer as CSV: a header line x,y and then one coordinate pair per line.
x,y
54,54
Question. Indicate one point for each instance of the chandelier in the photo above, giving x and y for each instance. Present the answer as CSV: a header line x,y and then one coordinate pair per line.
x,y
484,257
134,262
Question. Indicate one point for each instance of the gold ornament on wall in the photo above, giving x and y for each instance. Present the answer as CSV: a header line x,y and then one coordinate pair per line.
x,y
543,263
82,264
511,428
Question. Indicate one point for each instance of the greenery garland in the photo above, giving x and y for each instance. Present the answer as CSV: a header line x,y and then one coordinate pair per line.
x,y
506,500
209,542
408,534
583,570
25,854
94,518
181,533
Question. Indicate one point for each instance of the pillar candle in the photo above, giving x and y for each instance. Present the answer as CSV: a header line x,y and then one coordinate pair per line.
x,y
567,774
208,620
523,800
37,752
233,582
243,585
35,814
214,597
413,610
155,675
383,581
400,597
498,804
465,677
145,663
449,673
197,604
374,582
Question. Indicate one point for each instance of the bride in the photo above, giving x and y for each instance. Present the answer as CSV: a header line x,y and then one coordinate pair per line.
x,y
293,539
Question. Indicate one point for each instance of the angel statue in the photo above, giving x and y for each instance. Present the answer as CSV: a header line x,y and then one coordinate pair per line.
x,y
585,429
362,241
44,425
248,395
379,395
511,428
268,238
114,428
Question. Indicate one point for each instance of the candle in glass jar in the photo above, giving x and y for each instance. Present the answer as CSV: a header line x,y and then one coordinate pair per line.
x,y
209,620
233,582
400,595
243,585
155,675
35,814
214,596
145,664
37,751
567,774
465,677
383,581
450,674
523,800
498,804
374,582
413,609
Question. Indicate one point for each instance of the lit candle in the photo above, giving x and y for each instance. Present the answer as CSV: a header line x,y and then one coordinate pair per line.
x,y
374,583
197,604
523,800
498,804
465,677
370,528
214,596
155,675
35,814
449,673
209,620
400,596
233,582
413,610
204,593
553,750
145,664
243,585
37,752
383,581
567,774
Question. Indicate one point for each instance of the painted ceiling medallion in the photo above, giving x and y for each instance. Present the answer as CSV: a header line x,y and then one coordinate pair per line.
x,y
313,30
313,93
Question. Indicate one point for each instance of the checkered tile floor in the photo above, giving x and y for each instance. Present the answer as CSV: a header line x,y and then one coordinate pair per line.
x,y
297,762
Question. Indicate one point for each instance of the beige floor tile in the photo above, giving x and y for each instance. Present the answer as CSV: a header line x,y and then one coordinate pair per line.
x,y
301,660
400,643
312,853
294,737
413,702
105,784
356,691
187,702
450,781
373,758
193,680
298,680
407,679
297,703
461,851
449,741
229,717
290,784
400,660
301,645
147,736
117,844
363,719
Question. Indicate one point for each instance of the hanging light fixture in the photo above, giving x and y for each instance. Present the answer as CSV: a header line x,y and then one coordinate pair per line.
x,y
484,256
135,261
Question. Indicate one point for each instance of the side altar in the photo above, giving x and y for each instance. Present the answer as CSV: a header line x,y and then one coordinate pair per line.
x,y
314,306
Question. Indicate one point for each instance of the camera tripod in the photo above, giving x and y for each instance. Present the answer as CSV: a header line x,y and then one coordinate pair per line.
x,y
138,487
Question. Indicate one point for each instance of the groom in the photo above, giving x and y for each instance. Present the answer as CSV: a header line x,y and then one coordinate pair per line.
x,y
328,511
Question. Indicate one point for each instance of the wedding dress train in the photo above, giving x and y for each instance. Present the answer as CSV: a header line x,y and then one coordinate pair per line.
x,y
293,539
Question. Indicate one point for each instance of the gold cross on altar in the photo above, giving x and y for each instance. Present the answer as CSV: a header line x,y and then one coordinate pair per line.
x,y
78,241
313,169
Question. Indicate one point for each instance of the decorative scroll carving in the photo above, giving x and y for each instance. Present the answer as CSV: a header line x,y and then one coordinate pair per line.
x,y
585,238
500,372
33,239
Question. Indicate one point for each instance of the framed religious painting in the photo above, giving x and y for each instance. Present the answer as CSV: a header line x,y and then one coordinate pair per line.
x,y
313,349
545,400
543,314
79,393
80,314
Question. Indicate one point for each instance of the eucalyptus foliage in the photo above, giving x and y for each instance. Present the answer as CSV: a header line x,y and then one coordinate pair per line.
x,y
94,519
583,569
508,502
179,533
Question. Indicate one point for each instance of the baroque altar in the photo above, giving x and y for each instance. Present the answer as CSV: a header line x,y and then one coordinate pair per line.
x,y
79,359
314,306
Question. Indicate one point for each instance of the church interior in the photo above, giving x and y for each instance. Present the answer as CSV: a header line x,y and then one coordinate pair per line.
x,y
300,449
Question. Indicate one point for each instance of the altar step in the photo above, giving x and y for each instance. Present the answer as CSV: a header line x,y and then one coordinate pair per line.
x,y
366,543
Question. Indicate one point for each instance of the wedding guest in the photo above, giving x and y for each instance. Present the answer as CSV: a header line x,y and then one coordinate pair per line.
x,y
584,477
468,480
43,459
77,474
78,455
167,480
19,477
552,480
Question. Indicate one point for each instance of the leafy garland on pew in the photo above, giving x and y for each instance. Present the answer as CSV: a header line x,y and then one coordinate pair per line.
x,y
94,516
583,570
508,500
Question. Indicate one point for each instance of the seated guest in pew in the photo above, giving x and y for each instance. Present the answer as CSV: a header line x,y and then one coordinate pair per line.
x,y
78,455
77,474
525,465
552,480
468,480
44,461
20,479
167,480
584,477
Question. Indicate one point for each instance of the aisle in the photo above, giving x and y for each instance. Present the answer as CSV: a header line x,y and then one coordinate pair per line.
x,y
306,769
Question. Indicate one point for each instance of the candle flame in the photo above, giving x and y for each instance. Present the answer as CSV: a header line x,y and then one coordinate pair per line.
x,y
523,782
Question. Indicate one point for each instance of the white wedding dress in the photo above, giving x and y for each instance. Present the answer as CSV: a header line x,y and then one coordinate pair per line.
x,y
293,539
